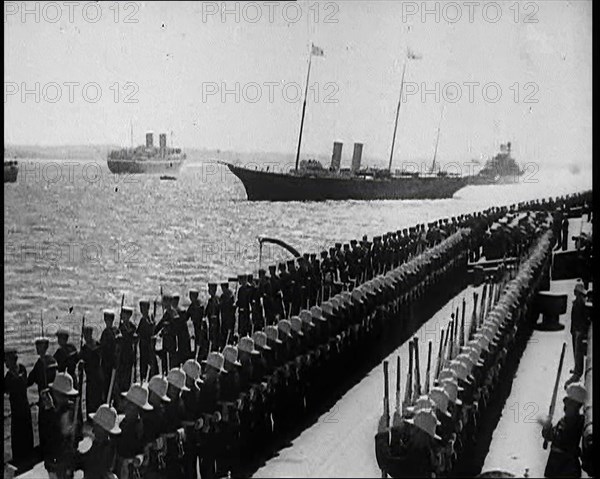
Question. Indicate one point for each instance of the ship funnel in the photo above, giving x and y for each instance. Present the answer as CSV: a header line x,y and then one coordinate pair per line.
x,y
149,140
162,138
336,158
356,157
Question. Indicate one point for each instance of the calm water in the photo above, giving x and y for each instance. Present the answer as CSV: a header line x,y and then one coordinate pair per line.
x,y
83,239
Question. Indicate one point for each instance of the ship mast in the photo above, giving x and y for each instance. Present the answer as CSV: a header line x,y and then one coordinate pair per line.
x,y
437,140
316,51
397,114
131,131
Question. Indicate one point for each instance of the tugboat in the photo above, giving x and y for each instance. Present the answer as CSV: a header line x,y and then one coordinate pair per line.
x,y
501,169
11,171
147,159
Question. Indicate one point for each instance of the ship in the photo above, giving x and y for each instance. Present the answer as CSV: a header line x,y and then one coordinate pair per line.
x,y
11,171
313,182
310,181
501,169
147,159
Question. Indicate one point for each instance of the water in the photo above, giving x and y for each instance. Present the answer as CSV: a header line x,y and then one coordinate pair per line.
x,y
83,240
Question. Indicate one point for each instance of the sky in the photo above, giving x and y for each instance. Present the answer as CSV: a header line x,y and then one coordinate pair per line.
x,y
164,67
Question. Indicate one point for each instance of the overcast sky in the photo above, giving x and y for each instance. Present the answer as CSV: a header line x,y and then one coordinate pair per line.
x,y
540,51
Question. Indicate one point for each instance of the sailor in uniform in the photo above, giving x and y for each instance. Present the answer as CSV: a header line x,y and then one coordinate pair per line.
x,y
91,356
145,332
212,315
130,445
43,373
66,355
15,385
108,347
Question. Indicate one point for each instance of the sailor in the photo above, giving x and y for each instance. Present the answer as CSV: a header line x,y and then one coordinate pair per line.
x,y
416,457
195,313
15,385
565,232
295,287
243,306
58,450
285,284
192,401
165,327
563,460
228,457
128,349
211,395
277,297
66,355
145,332
42,374
108,347
174,416
258,317
212,315
579,331
184,347
91,355
248,417
227,311
130,445
154,425
97,462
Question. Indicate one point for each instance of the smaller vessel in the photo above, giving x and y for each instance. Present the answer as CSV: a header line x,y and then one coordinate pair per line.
x,y
501,169
11,171
165,177
147,159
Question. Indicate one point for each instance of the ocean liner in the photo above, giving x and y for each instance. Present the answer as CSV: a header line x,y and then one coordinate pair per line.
x,y
309,180
147,159
11,171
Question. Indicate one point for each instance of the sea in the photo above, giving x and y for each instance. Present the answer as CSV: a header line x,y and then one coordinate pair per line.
x,y
79,239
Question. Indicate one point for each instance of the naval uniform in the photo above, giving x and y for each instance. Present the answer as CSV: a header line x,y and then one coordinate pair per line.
x,y
21,430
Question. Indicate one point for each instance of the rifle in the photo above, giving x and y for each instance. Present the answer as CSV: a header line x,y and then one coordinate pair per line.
x,y
408,390
473,326
386,400
555,391
428,373
82,328
398,385
78,401
462,323
440,358
417,370
111,385
122,303
386,390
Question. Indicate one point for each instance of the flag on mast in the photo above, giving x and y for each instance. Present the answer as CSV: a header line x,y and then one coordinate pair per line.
x,y
412,55
316,51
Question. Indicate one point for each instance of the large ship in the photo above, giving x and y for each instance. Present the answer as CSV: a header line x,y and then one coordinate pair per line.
x,y
312,182
309,180
11,171
501,169
147,159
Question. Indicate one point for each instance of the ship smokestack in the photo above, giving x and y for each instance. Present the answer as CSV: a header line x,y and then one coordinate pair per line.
x,y
356,157
508,146
149,140
162,138
336,158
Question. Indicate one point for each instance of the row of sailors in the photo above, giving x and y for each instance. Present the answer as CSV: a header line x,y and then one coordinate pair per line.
x,y
247,395
99,359
427,439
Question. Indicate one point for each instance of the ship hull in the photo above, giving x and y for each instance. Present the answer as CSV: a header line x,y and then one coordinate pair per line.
x,y
265,186
148,167
10,174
